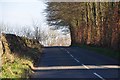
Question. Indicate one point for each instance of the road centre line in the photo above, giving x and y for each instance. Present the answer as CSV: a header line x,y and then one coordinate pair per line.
x,y
72,56
76,60
67,52
99,76
84,65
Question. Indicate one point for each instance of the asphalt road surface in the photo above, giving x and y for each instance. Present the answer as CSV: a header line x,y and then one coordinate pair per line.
x,y
75,62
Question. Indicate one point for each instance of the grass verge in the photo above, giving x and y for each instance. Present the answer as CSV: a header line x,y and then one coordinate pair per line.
x,y
15,68
105,51
16,52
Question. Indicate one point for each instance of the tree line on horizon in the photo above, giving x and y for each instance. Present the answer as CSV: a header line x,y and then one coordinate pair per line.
x,y
51,37
31,32
91,23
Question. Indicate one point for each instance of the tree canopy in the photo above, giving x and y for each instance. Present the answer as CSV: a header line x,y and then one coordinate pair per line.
x,y
93,23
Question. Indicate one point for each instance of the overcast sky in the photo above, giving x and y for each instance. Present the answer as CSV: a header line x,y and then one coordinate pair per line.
x,y
22,12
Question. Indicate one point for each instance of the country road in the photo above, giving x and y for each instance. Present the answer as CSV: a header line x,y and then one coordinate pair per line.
x,y
75,62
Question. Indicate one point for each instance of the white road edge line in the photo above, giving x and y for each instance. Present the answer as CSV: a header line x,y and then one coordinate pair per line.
x,y
99,76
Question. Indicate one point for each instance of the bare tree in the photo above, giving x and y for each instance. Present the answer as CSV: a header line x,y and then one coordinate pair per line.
x,y
2,27
37,33
27,32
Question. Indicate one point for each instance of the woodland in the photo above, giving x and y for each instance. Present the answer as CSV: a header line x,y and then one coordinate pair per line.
x,y
90,23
